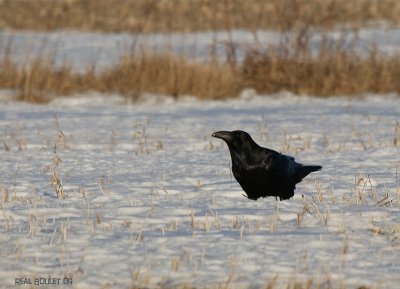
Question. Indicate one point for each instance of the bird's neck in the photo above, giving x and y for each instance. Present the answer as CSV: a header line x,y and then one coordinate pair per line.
x,y
245,156
240,159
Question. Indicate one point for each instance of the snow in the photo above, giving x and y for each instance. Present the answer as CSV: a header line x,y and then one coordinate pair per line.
x,y
151,201
150,198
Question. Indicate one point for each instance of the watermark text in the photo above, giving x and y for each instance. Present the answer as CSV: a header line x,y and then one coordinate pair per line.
x,y
42,281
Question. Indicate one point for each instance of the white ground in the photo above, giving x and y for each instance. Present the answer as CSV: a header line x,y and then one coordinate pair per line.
x,y
150,199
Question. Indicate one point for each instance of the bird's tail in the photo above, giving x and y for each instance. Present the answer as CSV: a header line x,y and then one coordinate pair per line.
x,y
305,170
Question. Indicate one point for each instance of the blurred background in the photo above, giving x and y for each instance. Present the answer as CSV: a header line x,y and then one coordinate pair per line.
x,y
202,48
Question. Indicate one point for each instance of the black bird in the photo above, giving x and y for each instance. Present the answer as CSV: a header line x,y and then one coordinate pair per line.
x,y
262,172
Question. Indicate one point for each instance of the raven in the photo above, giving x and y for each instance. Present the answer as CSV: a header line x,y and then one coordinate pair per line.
x,y
262,172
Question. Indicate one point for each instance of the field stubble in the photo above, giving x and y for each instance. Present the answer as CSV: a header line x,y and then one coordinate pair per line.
x,y
72,200
336,69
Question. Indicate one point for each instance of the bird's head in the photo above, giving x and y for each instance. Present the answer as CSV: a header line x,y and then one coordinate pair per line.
x,y
238,141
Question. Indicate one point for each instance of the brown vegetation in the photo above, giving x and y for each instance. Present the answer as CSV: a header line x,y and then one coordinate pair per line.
x,y
168,74
334,70
330,72
195,15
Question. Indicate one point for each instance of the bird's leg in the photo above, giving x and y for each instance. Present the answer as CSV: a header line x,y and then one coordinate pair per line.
x,y
250,198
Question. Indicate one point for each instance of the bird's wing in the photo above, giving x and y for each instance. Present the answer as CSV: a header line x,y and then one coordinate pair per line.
x,y
279,164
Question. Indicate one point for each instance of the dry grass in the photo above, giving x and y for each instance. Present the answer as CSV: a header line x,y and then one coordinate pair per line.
x,y
195,15
164,73
289,67
171,75
331,72
335,70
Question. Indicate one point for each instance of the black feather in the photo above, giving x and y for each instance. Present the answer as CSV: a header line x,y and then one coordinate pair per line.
x,y
262,172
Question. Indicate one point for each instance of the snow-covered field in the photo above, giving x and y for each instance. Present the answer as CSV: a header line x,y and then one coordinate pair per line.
x,y
150,200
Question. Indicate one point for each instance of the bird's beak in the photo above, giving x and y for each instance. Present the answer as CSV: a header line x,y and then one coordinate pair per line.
x,y
224,135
